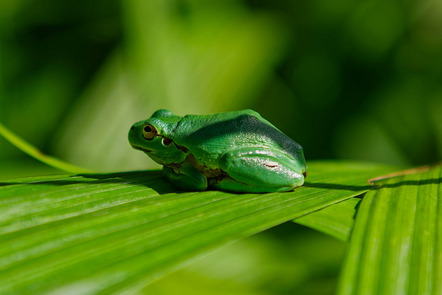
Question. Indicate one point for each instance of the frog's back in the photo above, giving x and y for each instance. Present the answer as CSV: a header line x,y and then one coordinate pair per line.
x,y
213,135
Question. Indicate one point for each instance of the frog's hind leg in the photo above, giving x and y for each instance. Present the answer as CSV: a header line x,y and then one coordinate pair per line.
x,y
271,172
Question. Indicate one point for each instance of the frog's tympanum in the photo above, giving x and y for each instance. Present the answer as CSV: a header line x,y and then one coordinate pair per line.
x,y
236,151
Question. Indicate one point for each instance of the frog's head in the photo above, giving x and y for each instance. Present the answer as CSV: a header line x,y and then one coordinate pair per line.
x,y
154,136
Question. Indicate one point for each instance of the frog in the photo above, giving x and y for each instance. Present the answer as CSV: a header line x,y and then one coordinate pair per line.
x,y
236,151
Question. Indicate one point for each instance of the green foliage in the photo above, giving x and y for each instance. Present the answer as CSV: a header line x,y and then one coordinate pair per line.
x,y
346,79
396,246
35,153
336,220
95,232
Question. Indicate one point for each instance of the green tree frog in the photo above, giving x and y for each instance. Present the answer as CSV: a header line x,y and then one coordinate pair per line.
x,y
236,151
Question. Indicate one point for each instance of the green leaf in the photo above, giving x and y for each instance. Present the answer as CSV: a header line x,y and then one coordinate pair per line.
x,y
36,154
396,245
336,220
118,232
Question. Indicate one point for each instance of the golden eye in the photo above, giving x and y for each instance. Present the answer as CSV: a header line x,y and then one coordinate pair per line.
x,y
149,132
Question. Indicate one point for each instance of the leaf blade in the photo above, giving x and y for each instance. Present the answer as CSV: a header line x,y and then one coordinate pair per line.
x,y
336,220
396,245
32,151
88,233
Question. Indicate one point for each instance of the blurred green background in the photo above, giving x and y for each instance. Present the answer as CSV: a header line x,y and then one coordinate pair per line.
x,y
346,79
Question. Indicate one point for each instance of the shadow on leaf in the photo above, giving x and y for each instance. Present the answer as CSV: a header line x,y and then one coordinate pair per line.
x,y
150,179
335,186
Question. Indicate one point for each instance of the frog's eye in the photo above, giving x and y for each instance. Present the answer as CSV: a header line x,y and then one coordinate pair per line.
x,y
149,132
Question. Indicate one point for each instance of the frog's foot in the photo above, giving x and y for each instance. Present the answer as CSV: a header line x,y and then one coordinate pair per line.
x,y
186,177
271,172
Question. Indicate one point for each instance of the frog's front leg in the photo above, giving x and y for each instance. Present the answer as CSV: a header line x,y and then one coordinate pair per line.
x,y
186,177
259,171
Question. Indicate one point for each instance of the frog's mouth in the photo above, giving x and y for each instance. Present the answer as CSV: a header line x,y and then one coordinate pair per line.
x,y
141,149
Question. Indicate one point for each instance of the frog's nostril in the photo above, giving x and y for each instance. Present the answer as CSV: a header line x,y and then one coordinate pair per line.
x,y
305,174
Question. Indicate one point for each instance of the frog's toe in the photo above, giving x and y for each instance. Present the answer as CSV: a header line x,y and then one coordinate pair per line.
x,y
188,178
